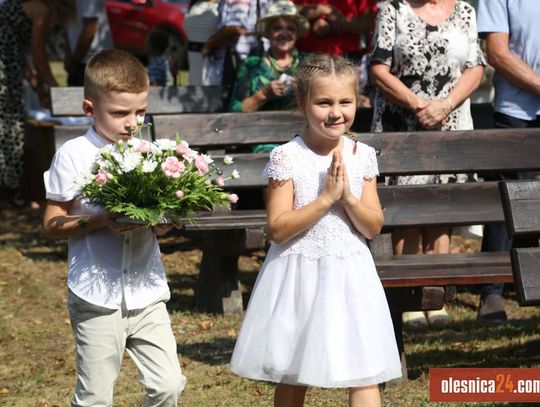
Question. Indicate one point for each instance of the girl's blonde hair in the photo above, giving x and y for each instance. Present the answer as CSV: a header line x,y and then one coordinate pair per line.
x,y
113,70
319,66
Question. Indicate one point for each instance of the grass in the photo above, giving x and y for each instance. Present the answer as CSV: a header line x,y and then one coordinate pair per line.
x,y
37,365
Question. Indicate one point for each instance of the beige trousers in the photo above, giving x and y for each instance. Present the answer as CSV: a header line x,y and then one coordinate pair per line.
x,y
102,335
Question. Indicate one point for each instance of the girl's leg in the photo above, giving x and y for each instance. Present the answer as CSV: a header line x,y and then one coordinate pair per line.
x,y
364,396
288,395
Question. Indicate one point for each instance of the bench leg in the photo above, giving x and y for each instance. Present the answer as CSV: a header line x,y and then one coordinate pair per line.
x,y
218,288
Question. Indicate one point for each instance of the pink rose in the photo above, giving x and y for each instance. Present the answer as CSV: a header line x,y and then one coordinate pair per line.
x,y
220,181
233,198
144,146
201,164
179,194
183,148
172,167
102,177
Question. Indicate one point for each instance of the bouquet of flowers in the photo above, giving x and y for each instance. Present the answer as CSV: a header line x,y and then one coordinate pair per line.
x,y
160,182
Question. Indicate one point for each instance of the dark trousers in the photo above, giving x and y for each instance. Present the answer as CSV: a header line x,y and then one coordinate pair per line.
x,y
495,237
76,76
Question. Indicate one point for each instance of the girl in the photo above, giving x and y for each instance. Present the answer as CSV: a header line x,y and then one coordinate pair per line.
x,y
318,315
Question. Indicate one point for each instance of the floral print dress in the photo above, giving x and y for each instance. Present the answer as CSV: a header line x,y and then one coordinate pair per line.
x,y
15,31
429,60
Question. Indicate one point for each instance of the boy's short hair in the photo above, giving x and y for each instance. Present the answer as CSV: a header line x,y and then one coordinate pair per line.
x,y
114,70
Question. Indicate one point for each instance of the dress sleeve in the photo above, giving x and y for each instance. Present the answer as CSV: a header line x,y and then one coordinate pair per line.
x,y
475,56
385,34
279,167
371,166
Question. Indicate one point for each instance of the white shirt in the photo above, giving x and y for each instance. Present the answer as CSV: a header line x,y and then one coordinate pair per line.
x,y
103,267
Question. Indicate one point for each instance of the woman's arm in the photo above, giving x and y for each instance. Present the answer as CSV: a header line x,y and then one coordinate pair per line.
x,y
395,90
432,115
40,16
508,65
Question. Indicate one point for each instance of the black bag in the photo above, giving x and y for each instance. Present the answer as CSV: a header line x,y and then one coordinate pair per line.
x,y
231,64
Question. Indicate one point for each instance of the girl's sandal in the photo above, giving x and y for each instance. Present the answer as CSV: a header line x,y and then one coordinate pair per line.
x,y
414,319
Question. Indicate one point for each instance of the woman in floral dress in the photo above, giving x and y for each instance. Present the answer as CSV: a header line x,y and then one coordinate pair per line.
x,y
25,28
426,62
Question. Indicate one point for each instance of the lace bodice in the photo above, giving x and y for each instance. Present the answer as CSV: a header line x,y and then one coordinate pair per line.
x,y
333,234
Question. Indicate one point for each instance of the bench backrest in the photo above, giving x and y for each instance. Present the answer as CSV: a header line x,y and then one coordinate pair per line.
x,y
398,153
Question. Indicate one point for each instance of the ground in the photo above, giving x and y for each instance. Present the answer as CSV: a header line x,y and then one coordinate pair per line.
x,y
37,354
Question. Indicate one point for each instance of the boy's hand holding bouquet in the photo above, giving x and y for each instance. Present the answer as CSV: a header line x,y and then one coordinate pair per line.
x,y
160,182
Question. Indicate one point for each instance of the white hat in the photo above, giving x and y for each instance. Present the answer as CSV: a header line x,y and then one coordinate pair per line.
x,y
286,9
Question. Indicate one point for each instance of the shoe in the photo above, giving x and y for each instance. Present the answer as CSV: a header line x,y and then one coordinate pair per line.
x,y
491,309
414,319
438,317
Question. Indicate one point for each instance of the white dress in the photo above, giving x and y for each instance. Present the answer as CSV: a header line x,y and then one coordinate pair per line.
x,y
318,315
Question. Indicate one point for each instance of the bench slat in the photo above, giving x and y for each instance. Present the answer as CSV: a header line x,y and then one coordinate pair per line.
x,y
405,206
521,204
444,269
67,101
462,151
228,129
526,269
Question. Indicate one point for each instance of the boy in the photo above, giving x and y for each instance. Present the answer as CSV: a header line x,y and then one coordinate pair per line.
x,y
117,284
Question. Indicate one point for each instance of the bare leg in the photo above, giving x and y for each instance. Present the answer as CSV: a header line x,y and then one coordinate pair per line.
x,y
437,240
364,396
407,241
288,395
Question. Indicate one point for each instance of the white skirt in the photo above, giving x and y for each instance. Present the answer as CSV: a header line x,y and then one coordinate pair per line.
x,y
317,322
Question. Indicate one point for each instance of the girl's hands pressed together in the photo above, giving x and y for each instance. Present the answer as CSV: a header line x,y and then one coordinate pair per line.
x,y
347,195
333,183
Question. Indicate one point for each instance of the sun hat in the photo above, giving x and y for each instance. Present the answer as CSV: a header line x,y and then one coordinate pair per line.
x,y
282,8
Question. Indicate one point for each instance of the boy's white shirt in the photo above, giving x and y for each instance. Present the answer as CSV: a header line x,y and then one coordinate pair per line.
x,y
104,267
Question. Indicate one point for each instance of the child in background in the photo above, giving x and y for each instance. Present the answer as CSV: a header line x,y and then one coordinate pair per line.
x,y
318,315
117,284
158,65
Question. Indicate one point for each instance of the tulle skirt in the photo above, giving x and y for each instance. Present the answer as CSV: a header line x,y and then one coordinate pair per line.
x,y
318,322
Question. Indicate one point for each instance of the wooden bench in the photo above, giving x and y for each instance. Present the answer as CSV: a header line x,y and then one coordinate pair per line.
x,y
521,203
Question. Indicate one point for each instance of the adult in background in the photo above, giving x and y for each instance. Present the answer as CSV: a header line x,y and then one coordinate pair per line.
x,y
86,35
513,48
337,26
264,81
341,27
199,24
25,27
236,30
426,62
